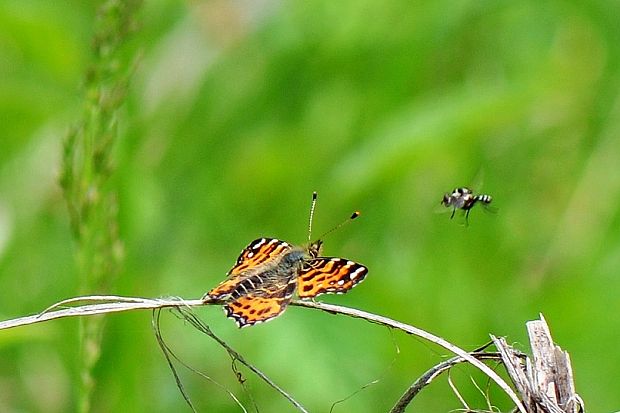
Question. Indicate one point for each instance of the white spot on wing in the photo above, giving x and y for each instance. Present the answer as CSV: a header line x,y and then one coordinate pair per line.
x,y
355,273
258,244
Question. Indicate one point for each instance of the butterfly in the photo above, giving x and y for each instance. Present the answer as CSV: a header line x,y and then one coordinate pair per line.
x,y
269,271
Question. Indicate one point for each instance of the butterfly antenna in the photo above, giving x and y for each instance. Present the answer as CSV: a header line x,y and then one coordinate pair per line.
x,y
312,206
346,221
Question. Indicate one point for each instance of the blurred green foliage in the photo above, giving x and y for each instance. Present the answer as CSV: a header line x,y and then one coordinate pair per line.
x,y
239,110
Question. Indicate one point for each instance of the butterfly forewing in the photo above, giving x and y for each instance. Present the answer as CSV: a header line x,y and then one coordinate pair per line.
x,y
258,252
329,275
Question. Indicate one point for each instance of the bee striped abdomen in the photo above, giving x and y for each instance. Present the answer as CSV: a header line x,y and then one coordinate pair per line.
x,y
485,199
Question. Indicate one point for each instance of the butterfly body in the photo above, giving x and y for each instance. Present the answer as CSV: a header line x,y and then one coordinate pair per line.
x,y
269,271
274,261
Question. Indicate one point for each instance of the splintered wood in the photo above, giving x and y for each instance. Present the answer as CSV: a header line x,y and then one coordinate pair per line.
x,y
544,381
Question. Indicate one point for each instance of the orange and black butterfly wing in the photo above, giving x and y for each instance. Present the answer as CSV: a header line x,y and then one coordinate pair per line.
x,y
257,253
329,275
261,305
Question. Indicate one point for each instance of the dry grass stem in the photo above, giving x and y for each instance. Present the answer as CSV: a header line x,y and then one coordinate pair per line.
x,y
170,355
189,316
388,322
563,394
433,373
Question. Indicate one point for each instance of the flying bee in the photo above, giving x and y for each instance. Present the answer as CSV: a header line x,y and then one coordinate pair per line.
x,y
464,198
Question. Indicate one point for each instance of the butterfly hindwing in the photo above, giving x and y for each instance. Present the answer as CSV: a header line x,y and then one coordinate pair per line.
x,y
260,305
329,275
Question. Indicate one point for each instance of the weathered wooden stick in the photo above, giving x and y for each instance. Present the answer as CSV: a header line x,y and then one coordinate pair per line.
x,y
545,381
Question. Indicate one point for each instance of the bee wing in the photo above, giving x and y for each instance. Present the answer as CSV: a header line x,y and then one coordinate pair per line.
x,y
491,209
478,181
442,209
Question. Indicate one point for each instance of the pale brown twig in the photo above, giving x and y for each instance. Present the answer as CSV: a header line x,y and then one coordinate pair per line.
x,y
235,356
170,355
430,375
129,303
108,306
388,322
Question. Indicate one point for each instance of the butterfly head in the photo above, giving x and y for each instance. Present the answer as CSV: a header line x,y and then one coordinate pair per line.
x,y
315,248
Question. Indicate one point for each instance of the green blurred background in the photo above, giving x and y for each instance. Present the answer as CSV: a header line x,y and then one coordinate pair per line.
x,y
238,110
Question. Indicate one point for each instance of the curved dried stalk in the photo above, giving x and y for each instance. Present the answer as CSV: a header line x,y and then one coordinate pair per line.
x,y
170,355
388,322
430,375
110,304
117,304
235,356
